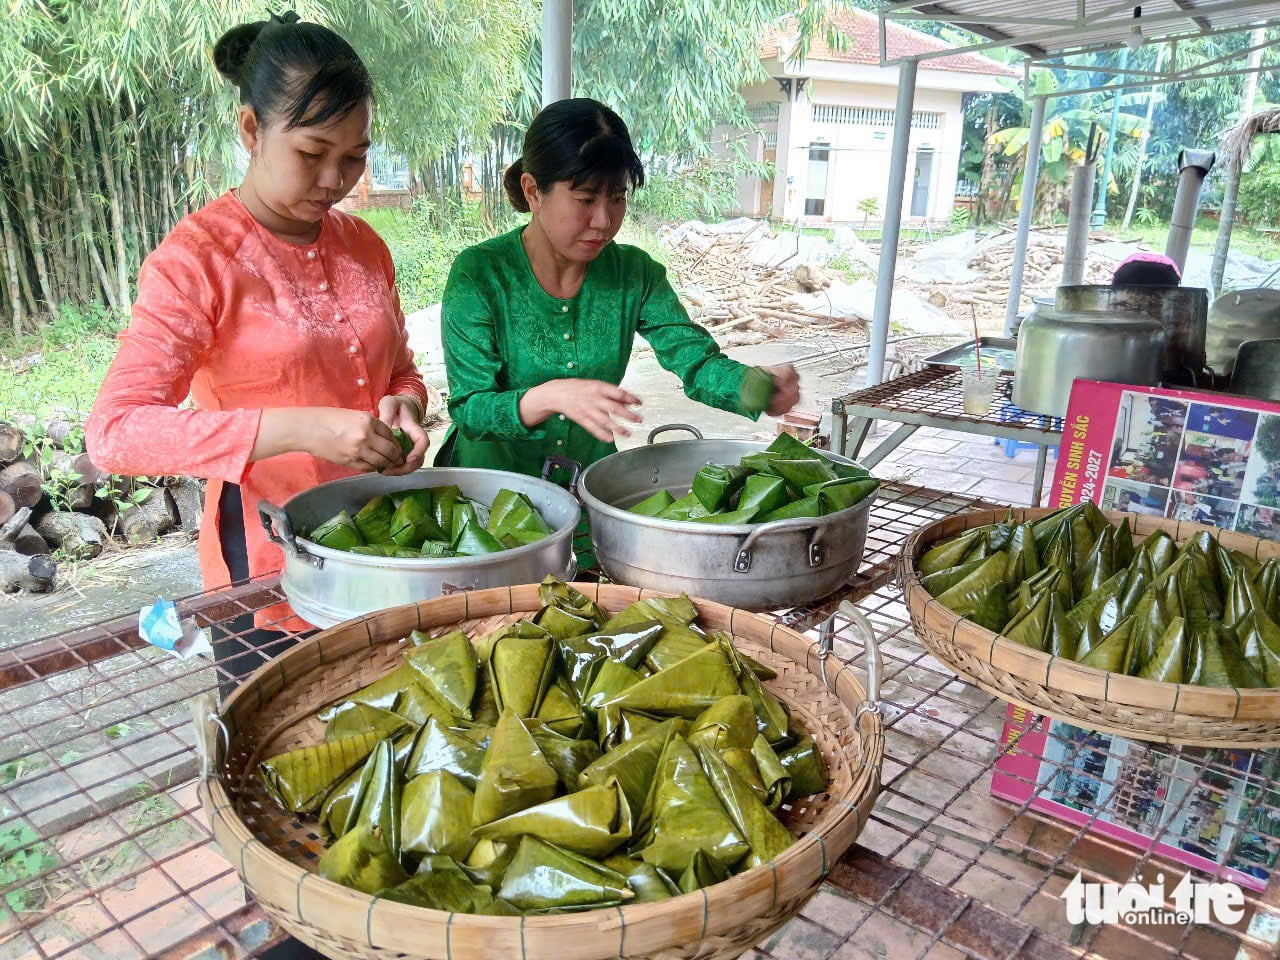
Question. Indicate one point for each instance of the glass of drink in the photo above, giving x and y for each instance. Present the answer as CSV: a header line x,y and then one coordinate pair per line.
x,y
979,390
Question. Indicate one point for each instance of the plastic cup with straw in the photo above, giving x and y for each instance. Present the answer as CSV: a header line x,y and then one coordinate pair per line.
x,y
979,388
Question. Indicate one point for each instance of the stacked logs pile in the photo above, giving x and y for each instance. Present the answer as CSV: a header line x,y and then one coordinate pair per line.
x,y
55,502
1043,272
739,301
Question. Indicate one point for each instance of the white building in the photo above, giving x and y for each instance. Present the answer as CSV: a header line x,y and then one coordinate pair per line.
x,y
826,125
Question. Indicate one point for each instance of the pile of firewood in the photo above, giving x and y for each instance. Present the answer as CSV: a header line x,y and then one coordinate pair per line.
x,y
53,499
1044,262
737,300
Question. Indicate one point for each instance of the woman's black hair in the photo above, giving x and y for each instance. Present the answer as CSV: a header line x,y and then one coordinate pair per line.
x,y
580,141
284,67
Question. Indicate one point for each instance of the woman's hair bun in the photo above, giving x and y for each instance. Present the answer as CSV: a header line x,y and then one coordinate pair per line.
x,y
232,49
514,189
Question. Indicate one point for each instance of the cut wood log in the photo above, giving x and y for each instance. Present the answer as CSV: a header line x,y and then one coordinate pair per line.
x,y
79,535
805,319
32,574
104,508
23,483
12,527
7,508
188,500
29,543
153,517
75,480
12,440
811,277
17,539
58,429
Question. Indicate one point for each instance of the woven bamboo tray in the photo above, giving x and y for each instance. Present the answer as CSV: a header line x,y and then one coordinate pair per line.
x,y
276,854
1085,696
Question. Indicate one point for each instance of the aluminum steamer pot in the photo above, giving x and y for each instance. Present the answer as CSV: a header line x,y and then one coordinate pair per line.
x,y
1182,311
327,586
1055,349
764,566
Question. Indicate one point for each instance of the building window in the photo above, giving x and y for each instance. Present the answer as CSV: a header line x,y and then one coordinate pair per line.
x,y
763,112
872,116
815,199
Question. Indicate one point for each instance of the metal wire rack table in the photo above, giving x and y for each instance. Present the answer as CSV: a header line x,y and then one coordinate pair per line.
x,y
933,398
104,852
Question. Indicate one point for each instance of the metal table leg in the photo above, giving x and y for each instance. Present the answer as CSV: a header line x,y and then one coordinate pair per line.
x,y
889,444
861,427
1037,484
839,428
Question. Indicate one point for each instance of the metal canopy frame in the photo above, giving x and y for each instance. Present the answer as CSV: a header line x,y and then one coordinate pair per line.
x,y
1075,27
1058,33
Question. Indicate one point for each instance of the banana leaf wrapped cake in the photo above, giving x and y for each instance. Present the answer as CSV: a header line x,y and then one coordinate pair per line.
x,y
1072,585
433,523
569,761
786,481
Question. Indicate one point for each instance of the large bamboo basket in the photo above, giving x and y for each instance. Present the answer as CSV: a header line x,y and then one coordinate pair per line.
x,y
1090,698
276,854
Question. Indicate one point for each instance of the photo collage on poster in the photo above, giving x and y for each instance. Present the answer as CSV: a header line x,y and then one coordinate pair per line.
x,y
1209,463
1191,799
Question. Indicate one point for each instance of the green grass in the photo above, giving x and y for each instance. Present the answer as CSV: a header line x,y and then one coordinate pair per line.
x,y
392,225
67,378
1244,239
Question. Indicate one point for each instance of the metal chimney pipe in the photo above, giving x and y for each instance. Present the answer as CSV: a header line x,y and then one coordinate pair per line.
x,y
1078,225
1193,167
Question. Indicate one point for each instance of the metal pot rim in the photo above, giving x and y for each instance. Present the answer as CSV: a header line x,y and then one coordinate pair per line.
x,y
592,502
436,563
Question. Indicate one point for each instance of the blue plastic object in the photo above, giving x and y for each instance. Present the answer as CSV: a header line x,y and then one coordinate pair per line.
x,y
1011,446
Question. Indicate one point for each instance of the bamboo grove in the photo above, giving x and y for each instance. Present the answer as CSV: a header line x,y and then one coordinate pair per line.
x,y
114,123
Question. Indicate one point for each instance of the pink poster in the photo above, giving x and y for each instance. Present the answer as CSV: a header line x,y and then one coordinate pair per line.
x,y
1207,457
1188,455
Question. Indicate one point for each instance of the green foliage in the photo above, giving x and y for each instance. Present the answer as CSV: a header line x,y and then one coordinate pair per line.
x,y
1267,441
64,378
1259,199
869,207
960,218
422,253
23,857
674,70
1146,217
702,189
123,495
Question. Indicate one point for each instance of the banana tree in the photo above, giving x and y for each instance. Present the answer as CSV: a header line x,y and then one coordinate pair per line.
x,y
1065,135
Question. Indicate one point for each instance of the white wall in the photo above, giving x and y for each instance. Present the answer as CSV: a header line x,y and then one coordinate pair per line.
x,y
859,164
859,157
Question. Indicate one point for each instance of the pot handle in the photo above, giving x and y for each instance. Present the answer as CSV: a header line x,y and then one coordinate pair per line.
x,y
573,466
867,635
667,428
274,518
742,562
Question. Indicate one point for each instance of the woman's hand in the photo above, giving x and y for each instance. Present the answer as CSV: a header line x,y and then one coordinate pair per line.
x,y
350,438
786,389
403,412
594,405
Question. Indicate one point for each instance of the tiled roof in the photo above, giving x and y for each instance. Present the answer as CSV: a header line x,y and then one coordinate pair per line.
x,y
863,46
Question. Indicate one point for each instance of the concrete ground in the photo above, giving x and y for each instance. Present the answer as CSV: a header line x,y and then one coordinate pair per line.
x,y
963,463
